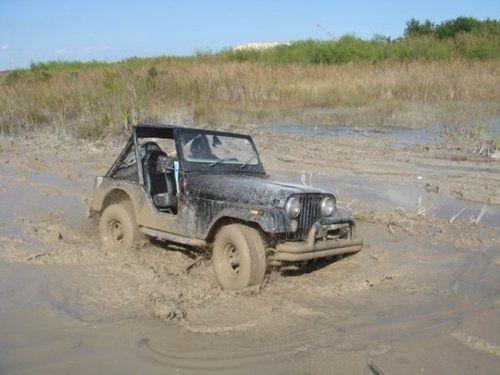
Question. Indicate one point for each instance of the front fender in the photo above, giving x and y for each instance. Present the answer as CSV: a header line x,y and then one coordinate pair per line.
x,y
271,221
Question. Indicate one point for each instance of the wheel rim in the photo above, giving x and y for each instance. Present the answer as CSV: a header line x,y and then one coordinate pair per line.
x,y
232,258
116,232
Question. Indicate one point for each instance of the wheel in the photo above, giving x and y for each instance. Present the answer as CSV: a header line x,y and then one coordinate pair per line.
x,y
117,227
239,257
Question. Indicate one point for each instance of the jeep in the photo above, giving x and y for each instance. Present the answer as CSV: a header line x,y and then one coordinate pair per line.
x,y
208,189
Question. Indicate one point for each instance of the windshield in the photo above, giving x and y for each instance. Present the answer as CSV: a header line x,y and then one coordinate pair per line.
x,y
214,149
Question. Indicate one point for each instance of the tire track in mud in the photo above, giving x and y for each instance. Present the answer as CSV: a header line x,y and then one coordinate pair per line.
x,y
347,306
214,359
476,343
349,336
71,253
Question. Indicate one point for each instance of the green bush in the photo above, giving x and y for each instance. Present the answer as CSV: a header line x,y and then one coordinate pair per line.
x,y
450,28
478,45
415,28
463,37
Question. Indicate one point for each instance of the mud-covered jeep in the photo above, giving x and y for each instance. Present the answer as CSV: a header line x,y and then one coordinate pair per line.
x,y
208,189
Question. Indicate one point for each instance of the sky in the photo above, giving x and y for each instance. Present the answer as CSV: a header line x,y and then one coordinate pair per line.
x,y
111,30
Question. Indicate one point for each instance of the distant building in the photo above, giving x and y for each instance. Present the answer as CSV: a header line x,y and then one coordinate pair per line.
x,y
248,46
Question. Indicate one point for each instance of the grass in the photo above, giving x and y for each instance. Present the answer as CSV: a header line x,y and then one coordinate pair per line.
x,y
471,46
418,82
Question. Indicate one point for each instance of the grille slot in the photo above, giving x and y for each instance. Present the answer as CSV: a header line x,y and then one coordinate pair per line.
x,y
309,213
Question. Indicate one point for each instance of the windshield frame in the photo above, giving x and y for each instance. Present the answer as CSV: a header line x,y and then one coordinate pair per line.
x,y
209,167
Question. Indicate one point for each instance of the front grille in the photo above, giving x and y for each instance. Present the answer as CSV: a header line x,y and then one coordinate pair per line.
x,y
309,213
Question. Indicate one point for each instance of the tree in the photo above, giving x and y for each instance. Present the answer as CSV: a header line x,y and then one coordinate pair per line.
x,y
449,28
381,39
415,28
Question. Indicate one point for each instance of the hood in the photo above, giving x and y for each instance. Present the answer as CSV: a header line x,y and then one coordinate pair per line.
x,y
258,190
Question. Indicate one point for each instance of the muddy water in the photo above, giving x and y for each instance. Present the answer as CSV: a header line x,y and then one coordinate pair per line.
x,y
406,304
400,135
391,195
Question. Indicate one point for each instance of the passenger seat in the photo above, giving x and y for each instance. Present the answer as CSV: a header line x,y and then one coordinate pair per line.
x,y
160,180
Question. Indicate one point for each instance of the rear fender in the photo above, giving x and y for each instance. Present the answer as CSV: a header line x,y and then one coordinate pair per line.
x,y
107,191
110,190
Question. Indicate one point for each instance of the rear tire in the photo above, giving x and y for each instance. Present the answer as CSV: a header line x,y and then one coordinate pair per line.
x,y
239,257
117,227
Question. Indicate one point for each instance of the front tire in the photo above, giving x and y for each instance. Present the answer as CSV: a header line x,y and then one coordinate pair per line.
x,y
239,257
117,227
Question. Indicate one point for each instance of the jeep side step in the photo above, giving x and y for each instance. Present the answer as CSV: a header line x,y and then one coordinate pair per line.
x,y
194,242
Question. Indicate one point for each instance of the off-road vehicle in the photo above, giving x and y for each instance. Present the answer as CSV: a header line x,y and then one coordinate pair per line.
x,y
209,189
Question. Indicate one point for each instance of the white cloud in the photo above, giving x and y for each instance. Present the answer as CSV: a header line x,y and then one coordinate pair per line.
x,y
87,50
4,46
77,52
61,52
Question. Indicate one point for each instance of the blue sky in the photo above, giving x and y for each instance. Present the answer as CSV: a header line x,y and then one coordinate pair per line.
x,y
112,30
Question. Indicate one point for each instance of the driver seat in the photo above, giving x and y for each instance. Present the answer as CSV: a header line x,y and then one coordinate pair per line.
x,y
160,180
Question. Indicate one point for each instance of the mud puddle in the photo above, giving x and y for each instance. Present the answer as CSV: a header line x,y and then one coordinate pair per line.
x,y
425,135
410,198
464,168
52,179
406,304
59,318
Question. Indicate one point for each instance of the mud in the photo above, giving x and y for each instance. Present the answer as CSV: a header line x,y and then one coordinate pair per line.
x,y
422,297
423,135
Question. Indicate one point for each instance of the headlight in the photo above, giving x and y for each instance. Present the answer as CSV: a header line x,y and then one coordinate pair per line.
x,y
327,206
292,207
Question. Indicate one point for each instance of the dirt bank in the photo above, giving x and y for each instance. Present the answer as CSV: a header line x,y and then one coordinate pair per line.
x,y
422,296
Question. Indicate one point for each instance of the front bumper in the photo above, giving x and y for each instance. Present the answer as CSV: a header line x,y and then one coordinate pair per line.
x,y
313,248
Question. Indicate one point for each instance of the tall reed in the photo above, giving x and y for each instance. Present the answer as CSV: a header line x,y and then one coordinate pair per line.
x,y
98,98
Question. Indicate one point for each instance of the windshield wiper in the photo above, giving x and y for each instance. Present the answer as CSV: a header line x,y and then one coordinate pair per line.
x,y
247,163
220,161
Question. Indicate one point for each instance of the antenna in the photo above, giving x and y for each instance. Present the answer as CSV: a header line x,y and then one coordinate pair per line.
x,y
326,32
